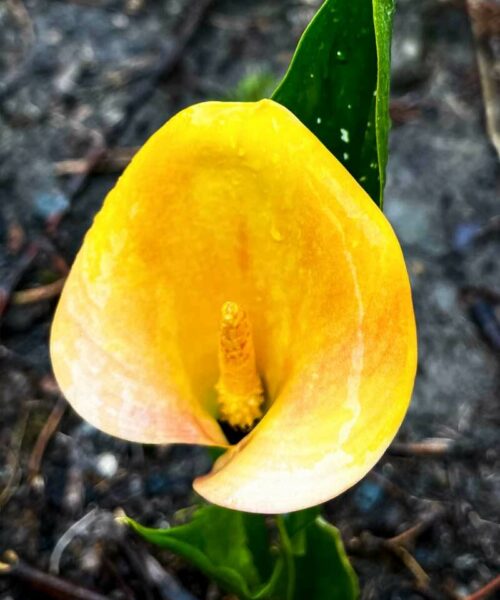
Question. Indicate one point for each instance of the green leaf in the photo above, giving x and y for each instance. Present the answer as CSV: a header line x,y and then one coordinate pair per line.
x,y
296,526
338,85
322,569
231,547
234,549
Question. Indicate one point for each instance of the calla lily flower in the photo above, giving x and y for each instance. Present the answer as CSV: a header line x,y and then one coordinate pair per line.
x,y
237,272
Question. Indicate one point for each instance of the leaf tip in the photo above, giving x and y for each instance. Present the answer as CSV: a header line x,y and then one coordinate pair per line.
x,y
120,517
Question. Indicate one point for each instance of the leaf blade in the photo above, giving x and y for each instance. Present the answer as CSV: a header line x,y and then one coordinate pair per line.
x,y
228,546
322,569
337,84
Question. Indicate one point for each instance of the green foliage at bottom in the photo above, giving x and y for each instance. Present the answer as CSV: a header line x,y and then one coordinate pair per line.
x,y
322,569
302,556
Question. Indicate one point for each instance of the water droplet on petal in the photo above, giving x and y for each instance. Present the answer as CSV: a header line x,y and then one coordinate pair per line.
x,y
276,234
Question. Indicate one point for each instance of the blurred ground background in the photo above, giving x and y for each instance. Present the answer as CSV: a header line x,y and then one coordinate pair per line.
x,y
68,72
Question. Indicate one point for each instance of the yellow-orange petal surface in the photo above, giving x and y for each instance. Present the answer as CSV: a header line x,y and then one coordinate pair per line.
x,y
240,202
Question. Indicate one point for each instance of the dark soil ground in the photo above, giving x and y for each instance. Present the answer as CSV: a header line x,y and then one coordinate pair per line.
x,y
68,72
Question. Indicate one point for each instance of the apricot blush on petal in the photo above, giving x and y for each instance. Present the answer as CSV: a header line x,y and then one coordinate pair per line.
x,y
240,202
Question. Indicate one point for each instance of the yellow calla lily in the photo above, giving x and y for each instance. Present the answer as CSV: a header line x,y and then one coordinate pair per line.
x,y
237,207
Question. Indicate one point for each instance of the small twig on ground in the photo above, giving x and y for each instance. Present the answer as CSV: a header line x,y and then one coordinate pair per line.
x,y
370,544
439,448
113,160
426,447
486,591
410,562
48,430
408,536
38,294
50,585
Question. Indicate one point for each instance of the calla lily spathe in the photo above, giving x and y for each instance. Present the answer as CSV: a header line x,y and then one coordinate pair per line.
x,y
241,203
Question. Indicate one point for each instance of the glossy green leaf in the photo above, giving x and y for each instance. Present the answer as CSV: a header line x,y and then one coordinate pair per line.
x,y
338,85
234,549
231,547
296,527
321,568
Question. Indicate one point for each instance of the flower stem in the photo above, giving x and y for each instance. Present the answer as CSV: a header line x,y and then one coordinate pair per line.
x,y
286,546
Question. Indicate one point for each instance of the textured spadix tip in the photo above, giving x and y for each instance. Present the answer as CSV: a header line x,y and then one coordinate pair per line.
x,y
140,346
230,312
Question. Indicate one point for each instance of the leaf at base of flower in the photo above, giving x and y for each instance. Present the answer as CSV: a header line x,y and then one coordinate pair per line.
x,y
230,547
233,548
322,569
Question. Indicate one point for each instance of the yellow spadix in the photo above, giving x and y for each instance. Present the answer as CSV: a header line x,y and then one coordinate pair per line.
x,y
237,207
